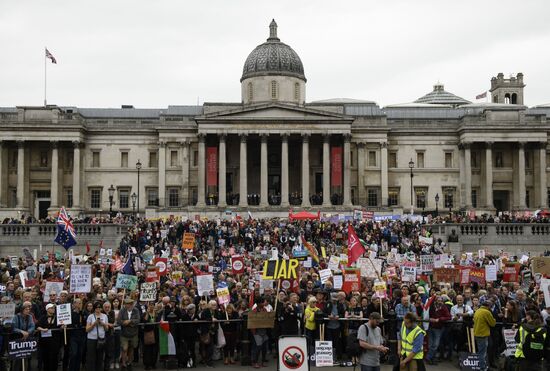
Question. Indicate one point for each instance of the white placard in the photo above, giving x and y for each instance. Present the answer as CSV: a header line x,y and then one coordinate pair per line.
x,y
63,312
427,263
54,286
308,262
408,274
338,281
42,268
148,291
510,341
323,354
545,287
481,254
490,273
293,354
7,310
81,279
205,284
334,263
440,260
325,274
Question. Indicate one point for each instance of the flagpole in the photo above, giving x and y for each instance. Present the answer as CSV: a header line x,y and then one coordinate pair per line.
x,y
45,77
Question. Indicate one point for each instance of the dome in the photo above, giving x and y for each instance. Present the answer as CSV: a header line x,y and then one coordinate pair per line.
x,y
273,58
440,96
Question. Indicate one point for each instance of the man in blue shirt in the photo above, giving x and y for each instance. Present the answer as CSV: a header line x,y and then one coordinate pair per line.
x,y
402,309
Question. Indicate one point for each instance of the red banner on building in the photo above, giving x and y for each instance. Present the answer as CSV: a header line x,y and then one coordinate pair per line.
x,y
336,167
212,166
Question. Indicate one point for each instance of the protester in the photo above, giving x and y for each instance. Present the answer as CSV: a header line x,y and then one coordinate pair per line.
x,y
128,319
483,322
370,339
96,326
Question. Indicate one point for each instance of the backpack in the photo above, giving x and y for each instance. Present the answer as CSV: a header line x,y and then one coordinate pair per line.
x,y
533,345
353,348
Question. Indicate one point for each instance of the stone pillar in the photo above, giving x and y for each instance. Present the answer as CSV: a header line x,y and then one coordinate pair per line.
x,y
384,172
222,191
489,175
3,180
201,200
20,174
347,170
76,175
263,171
162,173
521,175
243,178
305,170
284,170
467,175
185,172
462,184
326,170
54,188
543,191
361,174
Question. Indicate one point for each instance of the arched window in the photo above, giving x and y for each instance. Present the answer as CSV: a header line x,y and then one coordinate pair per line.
x,y
514,98
296,91
250,92
507,98
273,89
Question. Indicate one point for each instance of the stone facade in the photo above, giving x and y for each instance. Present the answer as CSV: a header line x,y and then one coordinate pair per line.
x,y
281,152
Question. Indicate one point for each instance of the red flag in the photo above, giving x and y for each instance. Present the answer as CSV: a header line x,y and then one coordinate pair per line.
x,y
87,247
482,95
311,249
355,248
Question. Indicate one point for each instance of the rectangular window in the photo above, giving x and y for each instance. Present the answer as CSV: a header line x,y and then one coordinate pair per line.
x,y
474,198
351,158
527,197
372,158
474,160
152,197
173,197
69,157
69,197
499,159
153,159
372,197
13,160
195,158
44,159
123,198
173,158
393,196
393,159
95,198
420,160
123,159
449,197
12,202
95,159
420,194
448,160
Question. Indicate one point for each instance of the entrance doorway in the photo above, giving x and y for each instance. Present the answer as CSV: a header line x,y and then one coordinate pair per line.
x,y
318,183
42,203
501,200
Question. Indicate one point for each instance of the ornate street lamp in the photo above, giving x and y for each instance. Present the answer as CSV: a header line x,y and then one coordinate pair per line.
x,y
111,190
138,167
436,204
411,166
134,198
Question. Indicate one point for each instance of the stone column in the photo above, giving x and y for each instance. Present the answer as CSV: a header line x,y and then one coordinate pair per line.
x,y
185,172
462,185
243,178
3,180
489,175
162,173
201,201
263,171
543,191
305,170
76,175
20,174
326,170
361,174
384,172
521,175
347,170
222,191
284,170
54,191
467,175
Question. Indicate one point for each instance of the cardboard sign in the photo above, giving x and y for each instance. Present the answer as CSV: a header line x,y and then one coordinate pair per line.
x,y
510,341
188,242
352,280
450,275
237,264
541,265
55,286
126,281
490,273
7,310
148,291
18,349
323,354
63,312
81,279
205,284
277,269
223,295
325,274
260,320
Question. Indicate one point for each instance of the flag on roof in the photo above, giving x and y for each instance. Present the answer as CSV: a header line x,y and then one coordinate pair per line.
x,y
482,95
167,345
50,56
66,235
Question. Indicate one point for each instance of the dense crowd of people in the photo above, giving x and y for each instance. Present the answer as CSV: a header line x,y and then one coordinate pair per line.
x,y
413,322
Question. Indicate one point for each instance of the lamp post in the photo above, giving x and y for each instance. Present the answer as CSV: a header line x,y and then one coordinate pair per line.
x,y
134,198
111,190
423,205
138,167
436,204
411,166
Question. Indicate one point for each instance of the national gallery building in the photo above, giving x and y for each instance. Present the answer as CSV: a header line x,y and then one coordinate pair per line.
x,y
273,151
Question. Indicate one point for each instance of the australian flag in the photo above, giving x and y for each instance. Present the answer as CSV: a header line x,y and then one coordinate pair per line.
x,y
65,230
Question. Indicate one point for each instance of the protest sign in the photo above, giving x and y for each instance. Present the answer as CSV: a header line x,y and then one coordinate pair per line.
x,y
481,254
325,274
470,362
277,269
380,288
352,280
477,275
177,277
81,279
308,262
427,263
205,284
440,260
223,295
545,287
465,275
510,341
162,265
334,263
450,275
188,242
338,281
408,274
323,354
541,265
425,240
260,320
126,281
151,275
511,272
7,310
148,291
22,348
370,268
237,264
63,312
52,286
490,273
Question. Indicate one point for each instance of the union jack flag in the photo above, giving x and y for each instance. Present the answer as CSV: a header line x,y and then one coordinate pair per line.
x,y
66,235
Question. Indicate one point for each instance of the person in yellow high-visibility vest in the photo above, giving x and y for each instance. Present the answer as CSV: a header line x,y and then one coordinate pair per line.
x,y
533,325
410,345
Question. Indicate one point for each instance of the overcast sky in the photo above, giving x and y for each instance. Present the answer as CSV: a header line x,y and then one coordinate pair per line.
x,y
159,53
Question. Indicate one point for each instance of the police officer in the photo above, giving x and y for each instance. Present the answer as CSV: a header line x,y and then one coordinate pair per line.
x,y
410,344
531,339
